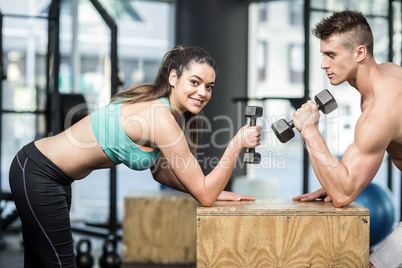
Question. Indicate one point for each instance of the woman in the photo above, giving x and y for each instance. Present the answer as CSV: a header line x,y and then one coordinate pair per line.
x,y
148,126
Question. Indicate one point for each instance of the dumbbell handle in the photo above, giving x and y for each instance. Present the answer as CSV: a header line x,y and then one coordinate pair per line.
x,y
253,123
292,125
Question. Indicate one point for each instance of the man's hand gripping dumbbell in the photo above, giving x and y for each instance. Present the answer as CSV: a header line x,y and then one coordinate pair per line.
x,y
284,130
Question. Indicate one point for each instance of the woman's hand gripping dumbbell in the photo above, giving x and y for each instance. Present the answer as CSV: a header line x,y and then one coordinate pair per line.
x,y
252,112
284,130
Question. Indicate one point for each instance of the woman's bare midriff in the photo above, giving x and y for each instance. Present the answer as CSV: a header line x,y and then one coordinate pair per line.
x,y
76,150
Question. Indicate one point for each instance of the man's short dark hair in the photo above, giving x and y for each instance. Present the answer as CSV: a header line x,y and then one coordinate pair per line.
x,y
352,24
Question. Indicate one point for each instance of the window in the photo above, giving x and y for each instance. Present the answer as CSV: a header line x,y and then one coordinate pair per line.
x,y
262,59
262,12
296,63
276,68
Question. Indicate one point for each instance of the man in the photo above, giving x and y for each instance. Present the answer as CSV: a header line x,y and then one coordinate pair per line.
x,y
346,42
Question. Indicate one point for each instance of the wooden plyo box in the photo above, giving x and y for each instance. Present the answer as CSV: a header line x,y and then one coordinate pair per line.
x,y
282,233
159,227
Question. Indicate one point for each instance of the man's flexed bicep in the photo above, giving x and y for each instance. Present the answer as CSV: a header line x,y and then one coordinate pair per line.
x,y
362,167
364,157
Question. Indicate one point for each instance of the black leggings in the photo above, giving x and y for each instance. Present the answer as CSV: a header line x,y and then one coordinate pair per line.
x,y
42,195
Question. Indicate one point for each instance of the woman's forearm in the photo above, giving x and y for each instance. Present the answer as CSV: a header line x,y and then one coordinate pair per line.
x,y
218,178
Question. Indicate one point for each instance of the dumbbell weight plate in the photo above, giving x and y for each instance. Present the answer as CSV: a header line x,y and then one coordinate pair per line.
x,y
283,130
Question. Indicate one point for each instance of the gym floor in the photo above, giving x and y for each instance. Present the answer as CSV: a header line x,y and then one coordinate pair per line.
x,y
12,255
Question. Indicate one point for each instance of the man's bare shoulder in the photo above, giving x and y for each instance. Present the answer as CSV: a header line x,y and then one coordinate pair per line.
x,y
387,87
386,109
390,69
389,65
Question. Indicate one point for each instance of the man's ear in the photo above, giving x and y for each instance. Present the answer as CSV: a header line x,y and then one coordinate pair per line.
x,y
172,77
361,53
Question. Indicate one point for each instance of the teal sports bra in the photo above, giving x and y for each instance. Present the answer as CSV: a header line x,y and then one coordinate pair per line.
x,y
108,130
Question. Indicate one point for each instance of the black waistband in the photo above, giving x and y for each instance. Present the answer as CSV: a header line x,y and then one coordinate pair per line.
x,y
22,156
32,152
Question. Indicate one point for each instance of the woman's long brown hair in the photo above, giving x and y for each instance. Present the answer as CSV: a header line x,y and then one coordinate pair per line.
x,y
178,58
